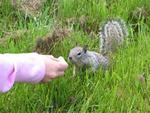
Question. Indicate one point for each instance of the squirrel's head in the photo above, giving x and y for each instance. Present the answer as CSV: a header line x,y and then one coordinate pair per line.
x,y
77,54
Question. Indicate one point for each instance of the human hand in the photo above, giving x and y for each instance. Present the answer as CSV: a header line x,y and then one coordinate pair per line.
x,y
55,67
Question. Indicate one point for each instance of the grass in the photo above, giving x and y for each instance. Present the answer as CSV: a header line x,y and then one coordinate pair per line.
x,y
119,91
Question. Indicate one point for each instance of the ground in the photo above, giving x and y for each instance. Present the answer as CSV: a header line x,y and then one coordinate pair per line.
x,y
125,86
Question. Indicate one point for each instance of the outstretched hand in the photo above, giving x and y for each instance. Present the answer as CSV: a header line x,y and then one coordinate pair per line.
x,y
54,67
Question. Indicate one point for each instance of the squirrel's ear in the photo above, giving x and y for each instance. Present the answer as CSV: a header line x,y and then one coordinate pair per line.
x,y
85,48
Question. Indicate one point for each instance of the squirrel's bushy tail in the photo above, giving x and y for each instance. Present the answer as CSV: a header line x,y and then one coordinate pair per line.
x,y
112,34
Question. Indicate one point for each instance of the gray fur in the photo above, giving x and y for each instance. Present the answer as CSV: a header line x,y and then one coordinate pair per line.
x,y
88,59
112,35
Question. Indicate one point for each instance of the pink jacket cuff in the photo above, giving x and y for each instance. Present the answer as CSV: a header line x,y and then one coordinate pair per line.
x,y
26,67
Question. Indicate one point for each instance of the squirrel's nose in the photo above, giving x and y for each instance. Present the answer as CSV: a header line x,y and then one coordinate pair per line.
x,y
70,58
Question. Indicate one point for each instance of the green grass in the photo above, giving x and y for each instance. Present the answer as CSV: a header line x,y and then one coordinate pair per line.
x,y
119,91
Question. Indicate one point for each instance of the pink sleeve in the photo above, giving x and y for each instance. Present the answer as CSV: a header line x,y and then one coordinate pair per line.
x,y
27,67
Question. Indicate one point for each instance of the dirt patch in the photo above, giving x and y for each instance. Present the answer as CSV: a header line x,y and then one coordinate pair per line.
x,y
45,44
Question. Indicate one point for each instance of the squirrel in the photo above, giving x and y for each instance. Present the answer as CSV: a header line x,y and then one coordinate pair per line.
x,y
112,34
83,58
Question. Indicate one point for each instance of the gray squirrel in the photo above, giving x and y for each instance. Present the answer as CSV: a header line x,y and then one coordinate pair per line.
x,y
83,58
112,35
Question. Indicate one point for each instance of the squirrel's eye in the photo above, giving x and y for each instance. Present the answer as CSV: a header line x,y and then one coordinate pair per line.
x,y
79,54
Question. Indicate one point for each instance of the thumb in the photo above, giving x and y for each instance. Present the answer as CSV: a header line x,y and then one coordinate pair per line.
x,y
62,60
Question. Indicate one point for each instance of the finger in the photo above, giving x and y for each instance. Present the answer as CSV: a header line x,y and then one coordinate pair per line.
x,y
51,56
63,62
58,59
55,59
62,66
61,59
60,63
59,73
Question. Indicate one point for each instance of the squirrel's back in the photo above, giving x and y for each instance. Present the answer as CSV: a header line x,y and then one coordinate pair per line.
x,y
112,34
